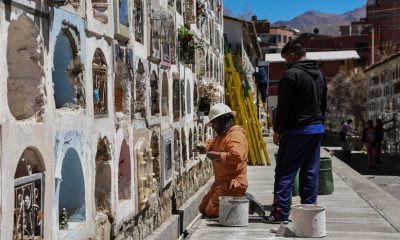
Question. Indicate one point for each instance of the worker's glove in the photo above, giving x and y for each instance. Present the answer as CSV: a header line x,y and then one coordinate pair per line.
x,y
213,155
201,148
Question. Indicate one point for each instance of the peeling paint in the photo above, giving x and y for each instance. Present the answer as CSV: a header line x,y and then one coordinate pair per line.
x,y
25,70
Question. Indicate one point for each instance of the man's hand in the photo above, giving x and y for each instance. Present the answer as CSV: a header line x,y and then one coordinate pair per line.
x,y
276,138
213,155
202,148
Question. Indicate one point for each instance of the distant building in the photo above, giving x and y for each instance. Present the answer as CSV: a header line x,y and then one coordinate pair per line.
x,y
380,26
272,39
360,43
330,62
242,40
384,99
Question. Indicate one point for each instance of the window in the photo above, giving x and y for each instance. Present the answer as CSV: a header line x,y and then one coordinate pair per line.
x,y
177,148
167,158
123,79
165,95
154,94
188,98
375,80
139,21
124,172
99,71
195,97
100,10
176,98
103,176
284,38
179,6
123,12
270,38
140,91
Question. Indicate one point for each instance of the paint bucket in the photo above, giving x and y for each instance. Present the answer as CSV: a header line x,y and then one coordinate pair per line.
x,y
233,211
308,220
325,185
296,185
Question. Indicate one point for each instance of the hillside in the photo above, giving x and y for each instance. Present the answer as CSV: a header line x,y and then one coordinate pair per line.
x,y
328,24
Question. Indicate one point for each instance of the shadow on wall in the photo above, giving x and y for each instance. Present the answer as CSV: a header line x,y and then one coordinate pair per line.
x,y
103,176
68,71
124,173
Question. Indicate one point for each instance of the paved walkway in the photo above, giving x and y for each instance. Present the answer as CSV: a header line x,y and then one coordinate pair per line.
x,y
358,208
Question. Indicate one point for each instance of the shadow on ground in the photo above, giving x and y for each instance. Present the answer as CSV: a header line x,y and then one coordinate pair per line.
x,y
359,159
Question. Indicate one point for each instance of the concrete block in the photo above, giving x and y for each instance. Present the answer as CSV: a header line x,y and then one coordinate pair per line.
x,y
169,230
190,209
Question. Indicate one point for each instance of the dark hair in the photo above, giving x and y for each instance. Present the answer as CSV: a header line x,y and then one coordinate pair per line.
x,y
349,120
294,46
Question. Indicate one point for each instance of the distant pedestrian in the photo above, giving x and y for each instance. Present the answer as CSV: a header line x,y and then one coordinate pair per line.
x,y
298,130
263,83
369,138
345,133
379,138
346,130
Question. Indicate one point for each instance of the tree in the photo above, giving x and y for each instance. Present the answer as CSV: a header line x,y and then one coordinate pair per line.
x,y
347,97
386,50
358,96
244,14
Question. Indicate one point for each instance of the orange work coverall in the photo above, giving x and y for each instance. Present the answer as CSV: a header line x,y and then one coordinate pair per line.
x,y
230,169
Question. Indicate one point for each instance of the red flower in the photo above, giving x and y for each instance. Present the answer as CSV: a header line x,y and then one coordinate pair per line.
x,y
188,37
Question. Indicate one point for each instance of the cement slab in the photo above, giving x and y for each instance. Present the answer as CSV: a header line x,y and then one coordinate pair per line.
x,y
357,209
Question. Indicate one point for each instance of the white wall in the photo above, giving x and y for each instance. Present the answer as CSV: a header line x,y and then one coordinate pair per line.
x,y
234,32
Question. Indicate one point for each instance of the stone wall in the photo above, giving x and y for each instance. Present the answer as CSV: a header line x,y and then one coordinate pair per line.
x,y
161,207
84,102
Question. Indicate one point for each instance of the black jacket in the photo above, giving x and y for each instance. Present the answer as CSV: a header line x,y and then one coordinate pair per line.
x,y
301,97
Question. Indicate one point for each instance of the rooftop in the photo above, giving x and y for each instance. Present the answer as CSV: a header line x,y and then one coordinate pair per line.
x,y
318,56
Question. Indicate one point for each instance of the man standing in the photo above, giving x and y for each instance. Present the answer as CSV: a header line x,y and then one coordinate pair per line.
x,y
298,130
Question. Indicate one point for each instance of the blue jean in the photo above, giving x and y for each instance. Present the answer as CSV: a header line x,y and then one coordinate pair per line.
x,y
296,152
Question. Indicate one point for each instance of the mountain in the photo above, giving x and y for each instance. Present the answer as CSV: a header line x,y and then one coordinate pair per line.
x,y
327,23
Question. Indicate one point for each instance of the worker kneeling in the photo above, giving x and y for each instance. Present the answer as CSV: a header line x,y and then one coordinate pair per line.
x,y
228,153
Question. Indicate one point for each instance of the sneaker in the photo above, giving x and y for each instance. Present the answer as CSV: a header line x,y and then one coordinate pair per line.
x,y
272,220
255,206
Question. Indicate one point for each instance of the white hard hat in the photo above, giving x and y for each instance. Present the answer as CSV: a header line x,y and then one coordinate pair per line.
x,y
219,109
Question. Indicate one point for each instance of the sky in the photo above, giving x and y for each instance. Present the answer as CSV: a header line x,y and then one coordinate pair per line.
x,y
275,10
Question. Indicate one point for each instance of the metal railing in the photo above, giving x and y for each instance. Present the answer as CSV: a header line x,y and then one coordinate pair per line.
x,y
28,207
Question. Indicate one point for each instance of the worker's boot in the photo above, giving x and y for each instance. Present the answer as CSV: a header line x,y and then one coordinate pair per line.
x,y
255,206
